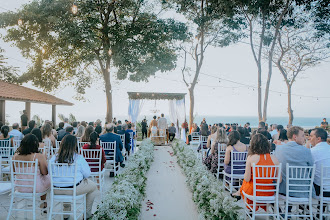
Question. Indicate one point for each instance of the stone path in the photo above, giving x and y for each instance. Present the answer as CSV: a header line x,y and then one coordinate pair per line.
x,y
167,195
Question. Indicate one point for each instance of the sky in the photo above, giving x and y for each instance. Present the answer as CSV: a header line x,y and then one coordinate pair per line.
x,y
212,96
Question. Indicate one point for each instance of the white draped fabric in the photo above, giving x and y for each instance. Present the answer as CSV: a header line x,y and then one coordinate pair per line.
x,y
177,113
181,110
134,109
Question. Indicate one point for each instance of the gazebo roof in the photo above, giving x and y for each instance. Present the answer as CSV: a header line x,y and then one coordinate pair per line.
x,y
9,91
155,95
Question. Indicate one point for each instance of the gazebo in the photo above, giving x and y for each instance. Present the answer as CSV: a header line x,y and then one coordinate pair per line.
x,y
176,105
13,92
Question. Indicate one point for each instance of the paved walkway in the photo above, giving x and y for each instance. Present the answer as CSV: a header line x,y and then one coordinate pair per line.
x,y
167,195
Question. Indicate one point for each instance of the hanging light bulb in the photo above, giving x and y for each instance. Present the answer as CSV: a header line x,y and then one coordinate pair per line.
x,y
43,50
110,52
19,22
74,8
137,94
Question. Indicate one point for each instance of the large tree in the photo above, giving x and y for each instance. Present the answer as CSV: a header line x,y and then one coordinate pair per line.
x,y
212,24
7,73
264,19
101,36
299,47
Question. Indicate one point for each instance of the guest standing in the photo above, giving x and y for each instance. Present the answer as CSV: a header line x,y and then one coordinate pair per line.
x,y
24,120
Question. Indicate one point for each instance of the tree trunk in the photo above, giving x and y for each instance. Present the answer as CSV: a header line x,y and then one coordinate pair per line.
x,y
108,93
290,111
192,104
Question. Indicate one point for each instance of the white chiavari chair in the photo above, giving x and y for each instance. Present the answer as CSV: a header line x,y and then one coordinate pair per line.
x,y
110,154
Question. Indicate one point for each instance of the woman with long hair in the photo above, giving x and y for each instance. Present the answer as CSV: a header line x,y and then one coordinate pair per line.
x,y
259,154
93,145
47,134
5,135
29,151
212,160
235,145
68,154
37,133
80,131
86,136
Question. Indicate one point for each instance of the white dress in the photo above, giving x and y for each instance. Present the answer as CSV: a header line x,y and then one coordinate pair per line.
x,y
183,134
154,131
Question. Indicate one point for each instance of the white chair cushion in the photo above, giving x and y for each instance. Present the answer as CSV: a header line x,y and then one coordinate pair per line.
x,y
5,187
5,169
260,198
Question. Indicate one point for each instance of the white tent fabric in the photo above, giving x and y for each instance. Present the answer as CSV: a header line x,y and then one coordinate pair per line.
x,y
134,109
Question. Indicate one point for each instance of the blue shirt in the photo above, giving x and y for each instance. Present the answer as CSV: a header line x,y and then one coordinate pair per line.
x,y
111,137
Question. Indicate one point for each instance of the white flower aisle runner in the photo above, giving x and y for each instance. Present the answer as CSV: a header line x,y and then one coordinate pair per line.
x,y
167,195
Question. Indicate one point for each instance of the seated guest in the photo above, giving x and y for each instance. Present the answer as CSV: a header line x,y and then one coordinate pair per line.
x,y
5,135
60,126
37,133
47,134
279,128
274,130
15,132
86,136
212,136
321,156
75,127
54,132
119,125
242,133
62,133
194,128
211,161
127,137
262,125
295,154
32,124
130,130
110,136
28,151
80,131
83,123
68,154
247,126
265,133
93,137
98,129
282,139
235,145
259,154
66,123
204,131
172,132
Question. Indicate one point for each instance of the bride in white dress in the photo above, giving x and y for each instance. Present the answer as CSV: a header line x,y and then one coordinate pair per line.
x,y
153,126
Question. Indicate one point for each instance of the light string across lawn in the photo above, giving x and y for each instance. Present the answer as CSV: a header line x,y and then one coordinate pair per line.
x,y
123,200
212,201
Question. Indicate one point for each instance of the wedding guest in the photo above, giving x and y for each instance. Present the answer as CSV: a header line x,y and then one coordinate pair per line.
x,y
110,136
144,126
279,128
235,145
62,133
204,130
274,130
54,132
66,123
80,131
259,154
32,124
247,126
86,136
119,124
127,137
47,134
211,161
37,133
93,145
24,120
75,127
172,131
15,132
211,137
262,125
282,139
98,129
5,135
295,154
29,151
324,123
60,126
242,133
265,133
83,123
68,154
321,156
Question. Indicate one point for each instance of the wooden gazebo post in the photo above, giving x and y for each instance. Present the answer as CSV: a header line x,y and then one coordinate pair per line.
x,y
28,110
3,111
54,115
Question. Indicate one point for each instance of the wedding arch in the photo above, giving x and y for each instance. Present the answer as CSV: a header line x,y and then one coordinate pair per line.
x,y
176,102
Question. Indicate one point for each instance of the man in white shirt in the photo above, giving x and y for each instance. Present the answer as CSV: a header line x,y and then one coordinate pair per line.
x,y
66,123
321,155
274,130
16,133
162,125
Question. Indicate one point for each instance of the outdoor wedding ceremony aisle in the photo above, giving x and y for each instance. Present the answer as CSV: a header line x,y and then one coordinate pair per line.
x,y
167,195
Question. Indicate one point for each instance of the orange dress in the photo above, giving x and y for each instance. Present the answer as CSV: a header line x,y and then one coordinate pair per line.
x,y
247,187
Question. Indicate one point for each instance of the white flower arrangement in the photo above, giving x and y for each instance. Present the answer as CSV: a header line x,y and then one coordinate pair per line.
x,y
123,200
211,200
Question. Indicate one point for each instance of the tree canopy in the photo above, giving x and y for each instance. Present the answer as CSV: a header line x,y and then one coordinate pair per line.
x,y
104,34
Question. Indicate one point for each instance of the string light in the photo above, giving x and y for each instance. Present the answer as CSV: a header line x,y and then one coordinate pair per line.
x,y
19,22
110,52
74,8
43,50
